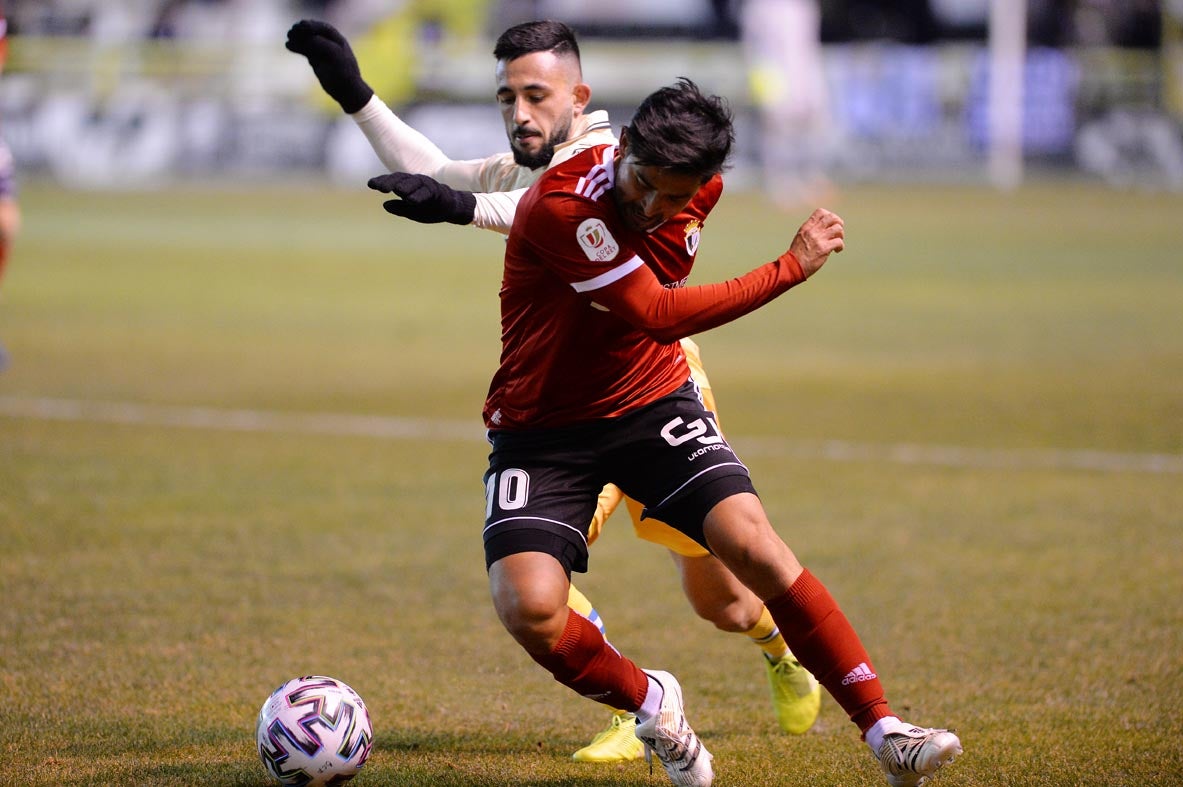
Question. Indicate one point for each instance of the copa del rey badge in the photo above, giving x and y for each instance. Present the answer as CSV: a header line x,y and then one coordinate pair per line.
x,y
595,240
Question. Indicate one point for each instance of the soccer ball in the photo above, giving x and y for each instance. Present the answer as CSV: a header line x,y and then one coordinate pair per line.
x,y
314,731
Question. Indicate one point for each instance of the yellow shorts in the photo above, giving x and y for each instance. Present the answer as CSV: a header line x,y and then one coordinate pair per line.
x,y
651,529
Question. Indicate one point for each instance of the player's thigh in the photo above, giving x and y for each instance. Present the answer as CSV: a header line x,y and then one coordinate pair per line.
x,y
671,457
540,497
739,533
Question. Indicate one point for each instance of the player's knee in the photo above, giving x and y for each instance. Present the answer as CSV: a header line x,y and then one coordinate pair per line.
x,y
734,616
536,629
533,618
720,599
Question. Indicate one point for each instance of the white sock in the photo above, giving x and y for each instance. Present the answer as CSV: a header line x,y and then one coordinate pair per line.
x,y
652,704
880,729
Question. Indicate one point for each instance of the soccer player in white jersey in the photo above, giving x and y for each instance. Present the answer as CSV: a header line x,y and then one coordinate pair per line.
x,y
544,101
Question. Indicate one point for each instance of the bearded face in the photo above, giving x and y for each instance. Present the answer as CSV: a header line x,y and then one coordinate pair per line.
x,y
534,149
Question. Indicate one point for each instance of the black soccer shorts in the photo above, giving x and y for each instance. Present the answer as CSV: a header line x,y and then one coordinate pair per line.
x,y
541,486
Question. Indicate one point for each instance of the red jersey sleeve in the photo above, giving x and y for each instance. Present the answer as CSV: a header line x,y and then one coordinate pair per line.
x,y
670,314
585,246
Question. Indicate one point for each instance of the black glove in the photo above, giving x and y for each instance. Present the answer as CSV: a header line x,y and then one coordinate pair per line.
x,y
332,61
424,199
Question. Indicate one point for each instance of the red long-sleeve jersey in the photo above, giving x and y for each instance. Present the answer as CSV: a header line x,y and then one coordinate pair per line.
x,y
591,311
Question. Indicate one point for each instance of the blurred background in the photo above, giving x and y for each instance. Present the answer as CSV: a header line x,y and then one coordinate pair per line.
x,y
239,420
132,93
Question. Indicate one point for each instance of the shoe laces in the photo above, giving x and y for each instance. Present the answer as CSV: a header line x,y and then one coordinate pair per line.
x,y
618,721
791,671
672,746
786,665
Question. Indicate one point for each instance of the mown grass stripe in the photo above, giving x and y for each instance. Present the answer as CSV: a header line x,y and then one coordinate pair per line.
x,y
400,428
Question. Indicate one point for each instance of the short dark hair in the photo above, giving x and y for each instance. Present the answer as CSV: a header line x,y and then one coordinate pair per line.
x,y
680,129
543,36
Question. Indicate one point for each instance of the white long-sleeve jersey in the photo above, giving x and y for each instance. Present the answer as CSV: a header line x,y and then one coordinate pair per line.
x,y
497,181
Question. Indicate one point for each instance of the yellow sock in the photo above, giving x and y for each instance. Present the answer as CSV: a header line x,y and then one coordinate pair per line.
x,y
767,637
580,603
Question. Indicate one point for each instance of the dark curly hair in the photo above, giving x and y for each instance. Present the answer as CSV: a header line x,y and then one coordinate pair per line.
x,y
680,129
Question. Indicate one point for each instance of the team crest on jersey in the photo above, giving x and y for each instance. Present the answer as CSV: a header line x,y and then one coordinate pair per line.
x,y
693,231
595,240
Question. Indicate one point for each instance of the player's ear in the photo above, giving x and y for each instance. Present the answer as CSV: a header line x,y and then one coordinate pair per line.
x,y
582,94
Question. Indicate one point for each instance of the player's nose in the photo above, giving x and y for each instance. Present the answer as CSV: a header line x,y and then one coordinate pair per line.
x,y
521,114
651,205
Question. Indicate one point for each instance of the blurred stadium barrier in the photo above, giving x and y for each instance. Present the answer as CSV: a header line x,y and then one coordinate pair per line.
x,y
117,114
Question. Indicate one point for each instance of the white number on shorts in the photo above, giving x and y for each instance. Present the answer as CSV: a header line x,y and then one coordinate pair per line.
x,y
678,431
512,488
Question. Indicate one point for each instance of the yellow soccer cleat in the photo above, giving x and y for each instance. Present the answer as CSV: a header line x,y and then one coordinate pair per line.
x,y
617,743
796,695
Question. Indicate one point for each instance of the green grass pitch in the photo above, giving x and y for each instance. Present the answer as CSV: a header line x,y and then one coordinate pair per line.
x,y
969,425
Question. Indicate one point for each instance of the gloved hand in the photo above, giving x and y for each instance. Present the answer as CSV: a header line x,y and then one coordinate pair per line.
x,y
424,199
332,61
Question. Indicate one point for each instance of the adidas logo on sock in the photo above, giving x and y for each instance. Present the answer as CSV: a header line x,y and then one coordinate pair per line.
x,y
859,674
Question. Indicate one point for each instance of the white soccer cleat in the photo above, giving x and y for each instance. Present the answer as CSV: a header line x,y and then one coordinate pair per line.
x,y
909,757
668,735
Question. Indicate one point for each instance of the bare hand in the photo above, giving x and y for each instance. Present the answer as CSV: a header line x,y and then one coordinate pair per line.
x,y
821,234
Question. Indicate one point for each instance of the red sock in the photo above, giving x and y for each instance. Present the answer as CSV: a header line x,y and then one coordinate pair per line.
x,y
583,661
826,644
3,257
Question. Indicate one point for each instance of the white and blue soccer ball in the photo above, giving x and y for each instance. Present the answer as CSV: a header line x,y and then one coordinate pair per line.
x,y
314,731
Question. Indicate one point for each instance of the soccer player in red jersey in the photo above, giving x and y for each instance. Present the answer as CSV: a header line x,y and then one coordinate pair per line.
x,y
593,388
543,102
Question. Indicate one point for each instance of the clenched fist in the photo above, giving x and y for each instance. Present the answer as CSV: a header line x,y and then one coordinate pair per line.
x,y
820,235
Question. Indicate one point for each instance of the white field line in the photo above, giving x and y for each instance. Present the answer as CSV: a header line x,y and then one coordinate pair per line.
x,y
395,428
239,420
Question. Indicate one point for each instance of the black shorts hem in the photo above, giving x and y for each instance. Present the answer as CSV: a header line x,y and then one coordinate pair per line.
x,y
687,511
571,554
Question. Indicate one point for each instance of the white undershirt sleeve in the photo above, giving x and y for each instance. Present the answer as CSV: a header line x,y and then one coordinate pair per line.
x,y
403,149
400,147
495,210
